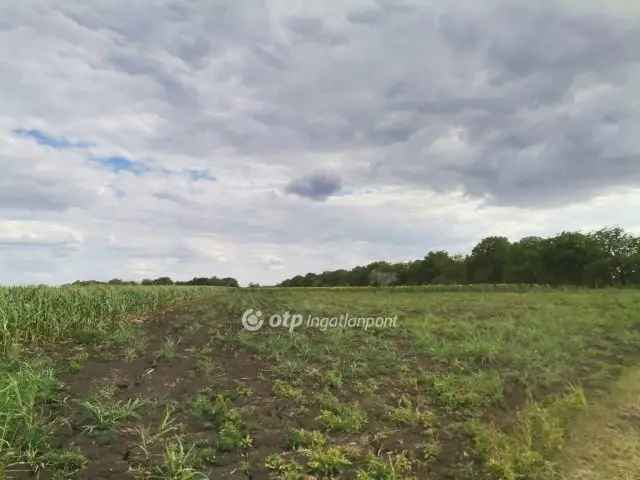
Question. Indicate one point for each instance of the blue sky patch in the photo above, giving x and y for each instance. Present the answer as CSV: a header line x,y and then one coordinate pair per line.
x,y
44,139
118,163
203,174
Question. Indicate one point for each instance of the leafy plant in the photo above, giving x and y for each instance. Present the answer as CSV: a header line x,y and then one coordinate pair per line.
x,y
343,418
327,461
105,412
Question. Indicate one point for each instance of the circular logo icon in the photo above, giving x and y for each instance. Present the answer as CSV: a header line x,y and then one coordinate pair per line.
x,y
252,320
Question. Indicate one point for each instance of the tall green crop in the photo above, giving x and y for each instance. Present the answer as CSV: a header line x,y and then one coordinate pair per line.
x,y
32,315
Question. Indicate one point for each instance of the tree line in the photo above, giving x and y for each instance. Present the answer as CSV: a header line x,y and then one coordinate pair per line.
x,y
606,257
210,281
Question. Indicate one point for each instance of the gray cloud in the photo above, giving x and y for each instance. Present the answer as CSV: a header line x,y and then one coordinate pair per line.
x,y
429,109
366,16
316,186
313,29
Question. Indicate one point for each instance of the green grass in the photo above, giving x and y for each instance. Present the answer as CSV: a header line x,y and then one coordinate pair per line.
x,y
497,369
611,423
104,412
479,383
35,320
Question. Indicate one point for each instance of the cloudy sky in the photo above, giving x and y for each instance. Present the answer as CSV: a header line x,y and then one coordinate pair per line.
x,y
261,139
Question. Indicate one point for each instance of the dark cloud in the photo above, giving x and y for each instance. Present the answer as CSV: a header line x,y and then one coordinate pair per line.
x,y
316,186
313,29
367,16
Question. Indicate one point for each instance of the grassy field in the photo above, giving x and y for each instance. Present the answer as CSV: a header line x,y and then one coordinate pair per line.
x,y
472,383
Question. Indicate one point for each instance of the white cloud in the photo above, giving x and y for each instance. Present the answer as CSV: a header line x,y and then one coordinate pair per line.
x,y
439,123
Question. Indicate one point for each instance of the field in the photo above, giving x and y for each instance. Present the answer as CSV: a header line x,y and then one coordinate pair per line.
x,y
472,383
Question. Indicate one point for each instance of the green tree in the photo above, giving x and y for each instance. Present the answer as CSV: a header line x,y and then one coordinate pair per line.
x,y
524,263
566,256
618,246
488,260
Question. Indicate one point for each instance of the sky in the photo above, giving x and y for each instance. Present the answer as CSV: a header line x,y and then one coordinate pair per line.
x,y
263,139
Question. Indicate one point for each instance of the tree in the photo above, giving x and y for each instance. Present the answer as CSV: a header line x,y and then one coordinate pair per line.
x,y
382,278
488,260
524,263
453,271
566,256
608,256
617,246
631,269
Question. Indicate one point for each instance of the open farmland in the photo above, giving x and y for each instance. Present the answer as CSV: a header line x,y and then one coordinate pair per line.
x,y
472,383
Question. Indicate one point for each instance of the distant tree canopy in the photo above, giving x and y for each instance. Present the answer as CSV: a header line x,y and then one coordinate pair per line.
x,y
609,256
211,281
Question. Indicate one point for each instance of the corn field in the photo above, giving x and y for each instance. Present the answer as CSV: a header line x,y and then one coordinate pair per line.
x,y
32,315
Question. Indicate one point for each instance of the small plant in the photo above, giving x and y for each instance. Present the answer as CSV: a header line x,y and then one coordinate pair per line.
x,y
367,387
231,436
343,418
334,378
217,411
135,347
327,461
406,414
205,365
301,438
327,400
226,420
77,361
471,391
65,462
244,391
395,467
169,349
204,454
105,412
282,389
178,463
283,468
149,438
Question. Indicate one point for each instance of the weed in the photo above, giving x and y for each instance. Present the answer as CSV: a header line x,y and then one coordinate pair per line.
x,y
395,467
327,461
334,378
232,436
244,391
149,438
226,419
343,418
301,438
538,435
471,391
366,387
65,462
178,463
105,412
408,414
169,349
282,389
283,468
